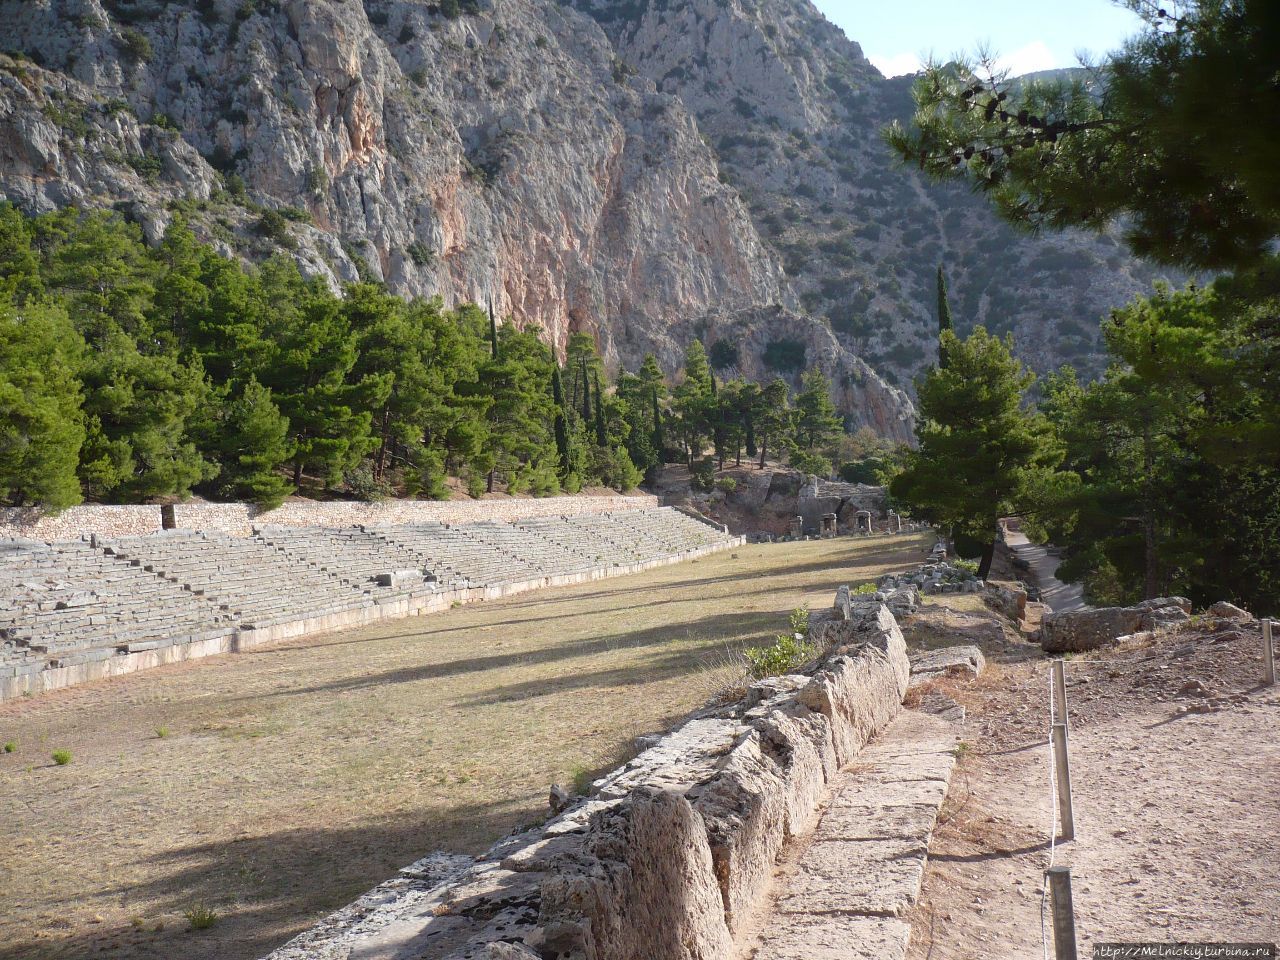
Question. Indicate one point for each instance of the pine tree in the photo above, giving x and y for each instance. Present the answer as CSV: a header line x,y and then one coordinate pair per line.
x,y
944,315
773,419
41,426
659,437
255,445
981,455
561,431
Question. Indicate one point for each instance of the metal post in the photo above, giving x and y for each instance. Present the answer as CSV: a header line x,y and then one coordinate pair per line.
x,y
1062,766
1060,690
1064,916
1268,654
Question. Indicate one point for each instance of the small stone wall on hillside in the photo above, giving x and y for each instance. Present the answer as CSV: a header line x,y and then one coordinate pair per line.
x,y
669,854
239,519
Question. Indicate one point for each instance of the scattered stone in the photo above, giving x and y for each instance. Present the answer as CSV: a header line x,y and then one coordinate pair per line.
x,y
559,799
1194,688
1224,610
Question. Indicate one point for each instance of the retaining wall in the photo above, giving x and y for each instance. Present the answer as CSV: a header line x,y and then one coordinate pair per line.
x,y
239,519
670,853
247,638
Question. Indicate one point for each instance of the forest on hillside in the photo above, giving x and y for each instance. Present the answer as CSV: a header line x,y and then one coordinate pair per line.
x,y
131,372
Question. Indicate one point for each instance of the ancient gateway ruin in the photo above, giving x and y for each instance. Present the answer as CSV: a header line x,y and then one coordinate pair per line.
x,y
108,603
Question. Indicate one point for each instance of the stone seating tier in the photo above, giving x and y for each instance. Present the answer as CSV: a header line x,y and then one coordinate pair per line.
x,y
82,601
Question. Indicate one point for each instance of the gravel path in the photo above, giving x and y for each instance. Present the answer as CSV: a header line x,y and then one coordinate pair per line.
x,y
1176,803
1044,565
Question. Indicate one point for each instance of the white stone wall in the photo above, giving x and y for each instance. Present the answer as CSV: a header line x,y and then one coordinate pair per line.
x,y
239,519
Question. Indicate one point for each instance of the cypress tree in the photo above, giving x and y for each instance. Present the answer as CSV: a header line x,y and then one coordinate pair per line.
x,y
602,433
586,393
659,441
493,333
944,316
562,433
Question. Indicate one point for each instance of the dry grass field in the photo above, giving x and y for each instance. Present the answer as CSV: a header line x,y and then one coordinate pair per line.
x,y
271,787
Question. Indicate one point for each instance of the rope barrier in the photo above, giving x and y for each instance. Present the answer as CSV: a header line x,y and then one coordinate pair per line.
x,y
1053,824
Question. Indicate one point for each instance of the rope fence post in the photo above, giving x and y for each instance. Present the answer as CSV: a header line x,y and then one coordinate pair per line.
x,y
1268,653
1064,915
1061,760
1060,688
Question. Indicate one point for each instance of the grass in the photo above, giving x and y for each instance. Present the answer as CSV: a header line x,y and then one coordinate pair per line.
x,y
61,757
313,770
200,917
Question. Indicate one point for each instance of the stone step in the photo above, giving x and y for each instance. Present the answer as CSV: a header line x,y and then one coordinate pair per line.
x,y
848,895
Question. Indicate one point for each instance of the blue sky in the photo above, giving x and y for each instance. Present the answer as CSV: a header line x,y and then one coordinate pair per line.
x,y
1027,34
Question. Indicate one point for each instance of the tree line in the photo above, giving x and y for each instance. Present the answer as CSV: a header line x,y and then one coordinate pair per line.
x,y
1164,475
130,372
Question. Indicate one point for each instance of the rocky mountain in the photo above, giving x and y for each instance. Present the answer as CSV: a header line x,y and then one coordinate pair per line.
x,y
794,111
645,171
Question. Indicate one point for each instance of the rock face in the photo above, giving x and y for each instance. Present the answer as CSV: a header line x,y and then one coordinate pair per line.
x,y
641,172
502,156
794,111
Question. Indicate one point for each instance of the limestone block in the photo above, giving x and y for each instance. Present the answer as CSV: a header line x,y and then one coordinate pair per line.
x,y
1228,611
949,661
838,937
643,887
1073,631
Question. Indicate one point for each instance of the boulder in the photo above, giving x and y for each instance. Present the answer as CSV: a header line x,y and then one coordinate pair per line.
x,y
1074,631
966,661
1007,598
1229,611
1161,603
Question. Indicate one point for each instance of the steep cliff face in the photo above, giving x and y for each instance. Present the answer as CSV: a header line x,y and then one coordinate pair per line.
x,y
794,111
504,155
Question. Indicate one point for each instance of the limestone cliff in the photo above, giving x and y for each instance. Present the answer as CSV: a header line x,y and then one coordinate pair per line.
x,y
795,111
647,171
503,155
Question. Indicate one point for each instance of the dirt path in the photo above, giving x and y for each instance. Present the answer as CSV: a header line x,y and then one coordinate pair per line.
x,y
1044,567
1176,811
276,785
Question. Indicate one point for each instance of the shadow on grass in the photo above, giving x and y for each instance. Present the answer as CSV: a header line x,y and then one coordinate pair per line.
x,y
724,626
266,888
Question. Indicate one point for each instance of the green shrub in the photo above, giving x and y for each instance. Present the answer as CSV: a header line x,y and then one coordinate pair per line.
x,y
200,917
135,45
723,354
10,746
145,165
863,589
162,732
788,651
275,226
702,475
420,253
61,757
582,780
360,483
727,484
784,355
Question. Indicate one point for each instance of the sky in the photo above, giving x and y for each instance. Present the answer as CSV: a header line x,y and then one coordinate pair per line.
x,y
1027,35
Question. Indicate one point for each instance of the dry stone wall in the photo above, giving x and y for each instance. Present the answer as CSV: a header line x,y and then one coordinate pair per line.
x,y
239,519
669,853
